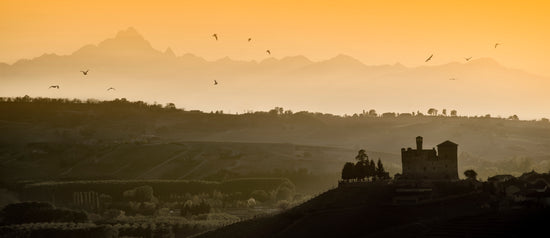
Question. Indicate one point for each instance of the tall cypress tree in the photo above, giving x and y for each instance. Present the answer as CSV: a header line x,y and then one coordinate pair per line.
x,y
380,172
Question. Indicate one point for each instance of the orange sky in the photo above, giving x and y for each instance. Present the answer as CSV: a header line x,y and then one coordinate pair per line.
x,y
375,32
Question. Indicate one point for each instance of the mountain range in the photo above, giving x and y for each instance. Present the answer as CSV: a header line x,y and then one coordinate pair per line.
x,y
340,85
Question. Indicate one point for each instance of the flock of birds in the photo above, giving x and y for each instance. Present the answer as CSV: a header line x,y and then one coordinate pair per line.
x,y
215,36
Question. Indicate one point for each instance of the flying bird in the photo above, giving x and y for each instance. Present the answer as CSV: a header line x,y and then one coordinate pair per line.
x,y
215,36
429,58
215,82
268,52
111,88
452,79
85,72
496,44
468,59
54,86
249,39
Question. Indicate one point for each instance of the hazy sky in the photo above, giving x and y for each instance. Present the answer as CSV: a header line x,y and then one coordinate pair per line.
x,y
375,32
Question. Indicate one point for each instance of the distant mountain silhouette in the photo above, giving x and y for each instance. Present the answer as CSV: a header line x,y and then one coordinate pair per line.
x,y
339,84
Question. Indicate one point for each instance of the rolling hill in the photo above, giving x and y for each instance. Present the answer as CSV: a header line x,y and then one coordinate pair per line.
x,y
49,139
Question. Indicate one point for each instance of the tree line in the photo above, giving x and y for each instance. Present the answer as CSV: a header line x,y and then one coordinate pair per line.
x,y
364,168
277,111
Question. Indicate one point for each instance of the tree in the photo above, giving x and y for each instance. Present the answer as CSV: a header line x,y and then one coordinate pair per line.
x,y
371,169
141,194
513,117
372,113
170,106
277,111
470,174
453,113
348,172
444,112
361,170
380,171
432,111
362,156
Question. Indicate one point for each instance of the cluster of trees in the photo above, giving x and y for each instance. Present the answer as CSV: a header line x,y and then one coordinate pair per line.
x,y
433,112
364,168
189,208
32,212
141,194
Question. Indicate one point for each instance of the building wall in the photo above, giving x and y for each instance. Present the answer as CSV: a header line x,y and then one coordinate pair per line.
x,y
448,154
430,164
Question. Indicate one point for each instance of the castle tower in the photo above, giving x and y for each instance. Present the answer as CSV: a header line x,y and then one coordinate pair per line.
x,y
430,164
419,143
447,153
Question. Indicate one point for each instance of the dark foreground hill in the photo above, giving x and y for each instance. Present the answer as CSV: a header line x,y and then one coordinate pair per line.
x,y
368,212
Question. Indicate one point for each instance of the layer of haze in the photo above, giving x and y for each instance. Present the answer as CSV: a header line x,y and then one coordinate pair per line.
x,y
375,32
326,57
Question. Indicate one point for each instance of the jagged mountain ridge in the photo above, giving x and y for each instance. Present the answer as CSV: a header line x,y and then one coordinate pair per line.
x,y
341,84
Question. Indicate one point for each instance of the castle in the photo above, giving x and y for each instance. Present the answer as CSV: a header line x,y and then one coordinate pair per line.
x,y
430,164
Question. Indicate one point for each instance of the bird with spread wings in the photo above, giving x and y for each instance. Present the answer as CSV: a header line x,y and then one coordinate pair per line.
x,y
429,58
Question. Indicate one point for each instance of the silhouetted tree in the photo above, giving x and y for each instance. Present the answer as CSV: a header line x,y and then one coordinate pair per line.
x,y
470,173
432,111
371,169
372,113
361,169
364,168
444,112
453,113
513,117
361,156
380,171
348,172
170,106
277,111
